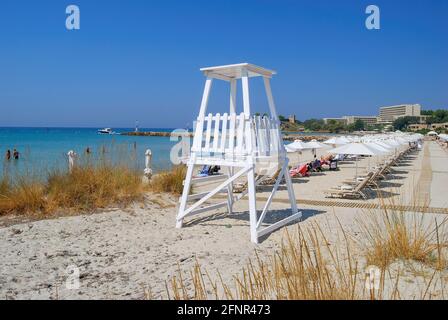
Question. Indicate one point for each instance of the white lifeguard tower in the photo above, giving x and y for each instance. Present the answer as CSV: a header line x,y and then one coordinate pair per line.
x,y
245,146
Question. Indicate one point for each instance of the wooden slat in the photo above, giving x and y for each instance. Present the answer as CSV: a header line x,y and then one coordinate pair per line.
x,y
217,121
256,135
240,134
225,123
232,133
209,120
267,125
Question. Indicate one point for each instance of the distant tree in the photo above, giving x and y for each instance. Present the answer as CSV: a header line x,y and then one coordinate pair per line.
x,y
403,122
314,124
435,116
440,116
358,125
282,118
335,126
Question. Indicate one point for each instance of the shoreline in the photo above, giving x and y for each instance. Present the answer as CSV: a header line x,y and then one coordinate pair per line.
x,y
286,136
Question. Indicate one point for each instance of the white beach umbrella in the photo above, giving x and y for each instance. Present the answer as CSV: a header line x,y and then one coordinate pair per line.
x,y
356,148
314,144
392,143
401,140
346,139
381,149
296,146
336,141
289,149
384,145
432,133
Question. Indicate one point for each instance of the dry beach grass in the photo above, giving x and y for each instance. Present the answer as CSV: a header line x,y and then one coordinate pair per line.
x,y
169,181
86,188
309,267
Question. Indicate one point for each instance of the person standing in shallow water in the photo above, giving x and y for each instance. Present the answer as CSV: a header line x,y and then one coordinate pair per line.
x,y
16,154
8,155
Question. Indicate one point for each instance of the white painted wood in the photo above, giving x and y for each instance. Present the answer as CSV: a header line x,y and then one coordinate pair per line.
x,y
215,191
241,144
234,71
291,195
240,134
233,87
205,97
246,102
186,191
224,136
271,196
197,142
231,151
279,224
230,199
252,205
267,135
208,132
267,86
217,120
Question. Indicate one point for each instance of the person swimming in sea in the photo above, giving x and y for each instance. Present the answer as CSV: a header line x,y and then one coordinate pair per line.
x,y
16,154
8,155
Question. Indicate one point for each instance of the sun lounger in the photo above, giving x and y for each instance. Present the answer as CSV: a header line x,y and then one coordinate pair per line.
x,y
347,191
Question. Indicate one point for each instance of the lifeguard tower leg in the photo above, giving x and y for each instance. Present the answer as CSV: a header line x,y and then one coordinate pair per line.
x,y
252,205
185,193
230,192
291,195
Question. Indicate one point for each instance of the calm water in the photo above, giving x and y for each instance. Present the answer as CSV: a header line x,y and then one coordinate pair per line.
x,y
44,149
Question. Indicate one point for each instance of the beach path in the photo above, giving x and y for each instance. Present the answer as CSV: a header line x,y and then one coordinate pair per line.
x,y
439,185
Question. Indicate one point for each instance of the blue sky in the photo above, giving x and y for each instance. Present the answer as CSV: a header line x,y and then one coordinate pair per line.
x,y
139,59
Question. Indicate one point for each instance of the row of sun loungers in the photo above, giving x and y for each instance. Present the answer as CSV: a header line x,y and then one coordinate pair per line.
x,y
356,188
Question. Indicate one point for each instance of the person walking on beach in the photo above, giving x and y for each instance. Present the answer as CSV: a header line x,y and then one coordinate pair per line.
x,y
16,154
8,155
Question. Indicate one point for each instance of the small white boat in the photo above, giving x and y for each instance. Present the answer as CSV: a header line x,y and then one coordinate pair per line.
x,y
105,131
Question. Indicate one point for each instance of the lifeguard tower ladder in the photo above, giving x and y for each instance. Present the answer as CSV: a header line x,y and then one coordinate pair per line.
x,y
246,146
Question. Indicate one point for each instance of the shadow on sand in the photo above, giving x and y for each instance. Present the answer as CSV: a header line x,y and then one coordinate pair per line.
x,y
272,216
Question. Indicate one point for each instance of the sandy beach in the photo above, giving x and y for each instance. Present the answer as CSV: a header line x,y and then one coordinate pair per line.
x,y
132,253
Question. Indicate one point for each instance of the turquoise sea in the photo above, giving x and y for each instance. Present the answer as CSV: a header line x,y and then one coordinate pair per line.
x,y
45,149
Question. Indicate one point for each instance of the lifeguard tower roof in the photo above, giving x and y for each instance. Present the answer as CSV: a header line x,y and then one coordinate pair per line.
x,y
235,71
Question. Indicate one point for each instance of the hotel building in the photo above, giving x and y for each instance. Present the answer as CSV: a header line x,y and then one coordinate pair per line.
x,y
368,120
390,114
